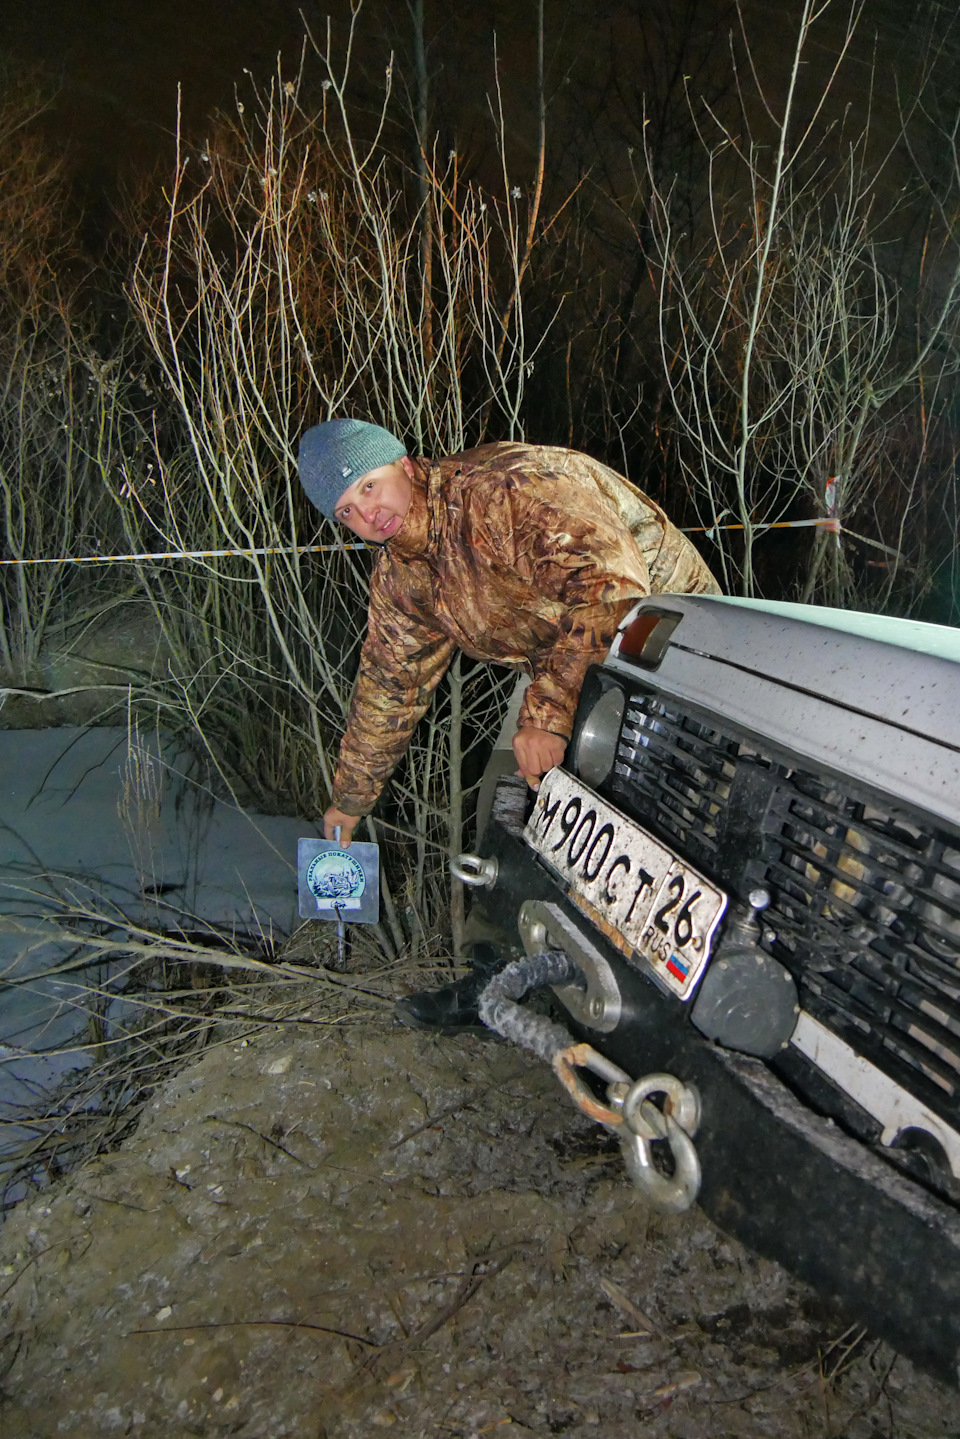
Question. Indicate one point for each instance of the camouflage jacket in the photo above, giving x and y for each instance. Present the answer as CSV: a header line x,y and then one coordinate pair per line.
x,y
520,554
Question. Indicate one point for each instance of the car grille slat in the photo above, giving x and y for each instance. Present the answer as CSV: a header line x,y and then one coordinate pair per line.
x,y
865,898
680,768
905,1011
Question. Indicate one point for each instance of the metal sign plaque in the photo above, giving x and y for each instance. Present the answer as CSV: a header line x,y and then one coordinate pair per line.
x,y
338,884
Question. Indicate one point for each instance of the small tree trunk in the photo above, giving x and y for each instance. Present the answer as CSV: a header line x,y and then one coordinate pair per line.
x,y
455,830
422,123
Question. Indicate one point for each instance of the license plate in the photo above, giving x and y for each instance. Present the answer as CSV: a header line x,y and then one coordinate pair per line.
x,y
643,898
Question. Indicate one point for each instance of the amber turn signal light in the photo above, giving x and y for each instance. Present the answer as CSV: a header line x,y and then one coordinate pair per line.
x,y
646,637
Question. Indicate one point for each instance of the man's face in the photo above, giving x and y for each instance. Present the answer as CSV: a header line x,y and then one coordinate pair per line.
x,y
376,505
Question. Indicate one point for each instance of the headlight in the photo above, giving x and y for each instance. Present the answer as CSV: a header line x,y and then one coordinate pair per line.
x,y
596,745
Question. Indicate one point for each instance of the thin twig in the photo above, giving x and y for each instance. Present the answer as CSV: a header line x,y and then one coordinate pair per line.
x,y
257,1324
239,1124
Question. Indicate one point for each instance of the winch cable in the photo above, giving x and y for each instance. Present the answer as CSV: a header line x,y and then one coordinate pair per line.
x,y
500,1011
630,1113
542,1036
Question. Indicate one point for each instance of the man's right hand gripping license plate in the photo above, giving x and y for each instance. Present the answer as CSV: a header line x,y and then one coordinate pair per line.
x,y
643,898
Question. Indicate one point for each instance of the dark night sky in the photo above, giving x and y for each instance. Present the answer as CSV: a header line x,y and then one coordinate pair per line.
x,y
117,63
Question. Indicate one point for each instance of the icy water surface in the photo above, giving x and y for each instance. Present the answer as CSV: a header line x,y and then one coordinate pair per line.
x,y
105,822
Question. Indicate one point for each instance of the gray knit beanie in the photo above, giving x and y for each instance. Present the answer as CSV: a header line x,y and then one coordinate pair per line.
x,y
335,454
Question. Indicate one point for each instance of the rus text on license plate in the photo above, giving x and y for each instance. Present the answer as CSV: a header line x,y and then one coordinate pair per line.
x,y
661,907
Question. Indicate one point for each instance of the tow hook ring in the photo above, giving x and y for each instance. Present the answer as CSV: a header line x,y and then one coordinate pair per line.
x,y
683,1103
669,1194
471,870
643,1123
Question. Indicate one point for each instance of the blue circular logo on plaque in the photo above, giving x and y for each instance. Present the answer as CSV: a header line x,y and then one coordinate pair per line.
x,y
336,880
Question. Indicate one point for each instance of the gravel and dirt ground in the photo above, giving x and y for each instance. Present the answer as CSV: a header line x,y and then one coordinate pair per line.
x,y
328,1231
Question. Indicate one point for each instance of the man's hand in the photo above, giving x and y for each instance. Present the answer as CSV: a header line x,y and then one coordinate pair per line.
x,y
347,823
537,750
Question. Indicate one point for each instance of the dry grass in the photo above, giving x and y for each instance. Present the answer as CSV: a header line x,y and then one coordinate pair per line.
x,y
180,998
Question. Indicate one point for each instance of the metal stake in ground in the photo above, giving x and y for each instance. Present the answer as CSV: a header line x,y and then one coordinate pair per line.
x,y
341,927
339,883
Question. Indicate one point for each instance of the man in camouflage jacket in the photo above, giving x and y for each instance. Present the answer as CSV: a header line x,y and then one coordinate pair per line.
x,y
520,554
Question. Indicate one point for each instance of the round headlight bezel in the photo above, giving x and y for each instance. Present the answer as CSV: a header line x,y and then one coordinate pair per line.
x,y
598,731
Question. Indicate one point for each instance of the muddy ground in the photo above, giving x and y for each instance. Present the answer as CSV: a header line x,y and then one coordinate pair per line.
x,y
332,1230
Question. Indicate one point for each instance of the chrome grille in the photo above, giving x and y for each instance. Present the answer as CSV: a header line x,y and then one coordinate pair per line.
x,y
865,906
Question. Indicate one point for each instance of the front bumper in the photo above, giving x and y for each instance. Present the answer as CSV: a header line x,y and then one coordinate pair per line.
x,y
776,1175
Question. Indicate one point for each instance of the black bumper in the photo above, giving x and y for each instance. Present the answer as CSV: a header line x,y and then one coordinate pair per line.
x,y
777,1176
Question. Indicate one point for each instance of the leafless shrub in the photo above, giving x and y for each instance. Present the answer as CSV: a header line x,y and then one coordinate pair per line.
x,y
296,275
51,498
805,383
